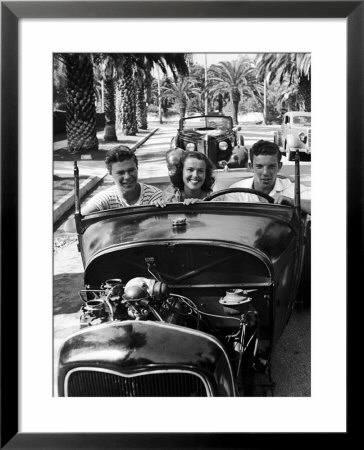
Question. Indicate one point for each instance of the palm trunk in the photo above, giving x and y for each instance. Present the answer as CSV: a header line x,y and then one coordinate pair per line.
x,y
81,110
183,108
109,108
235,100
141,107
304,89
127,107
118,108
219,102
235,111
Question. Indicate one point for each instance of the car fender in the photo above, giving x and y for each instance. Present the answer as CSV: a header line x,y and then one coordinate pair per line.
x,y
291,141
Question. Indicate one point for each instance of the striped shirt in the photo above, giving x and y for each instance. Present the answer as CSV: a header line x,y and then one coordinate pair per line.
x,y
109,199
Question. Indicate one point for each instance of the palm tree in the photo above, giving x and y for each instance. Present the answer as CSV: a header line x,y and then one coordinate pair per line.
x,y
126,87
105,71
180,91
80,102
128,67
235,79
143,87
293,68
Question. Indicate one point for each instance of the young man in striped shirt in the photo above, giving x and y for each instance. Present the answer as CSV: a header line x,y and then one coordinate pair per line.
x,y
122,165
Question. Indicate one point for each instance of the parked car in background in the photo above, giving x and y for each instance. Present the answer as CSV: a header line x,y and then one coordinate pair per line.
x,y
295,133
214,136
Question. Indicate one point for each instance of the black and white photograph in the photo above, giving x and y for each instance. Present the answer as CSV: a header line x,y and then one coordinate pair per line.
x,y
172,252
182,224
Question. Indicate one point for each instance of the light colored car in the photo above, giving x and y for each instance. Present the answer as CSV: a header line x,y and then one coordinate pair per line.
x,y
295,133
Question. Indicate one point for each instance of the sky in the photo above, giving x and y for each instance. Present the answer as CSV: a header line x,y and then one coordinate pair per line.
x,y
214,58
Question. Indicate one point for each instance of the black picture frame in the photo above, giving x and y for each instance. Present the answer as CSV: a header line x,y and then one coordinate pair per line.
x,y
11,12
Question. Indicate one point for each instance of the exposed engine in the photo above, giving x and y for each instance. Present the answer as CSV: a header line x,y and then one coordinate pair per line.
x,y
236,324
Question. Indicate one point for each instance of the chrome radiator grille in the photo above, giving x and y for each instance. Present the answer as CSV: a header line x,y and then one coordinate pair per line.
x,y
94,383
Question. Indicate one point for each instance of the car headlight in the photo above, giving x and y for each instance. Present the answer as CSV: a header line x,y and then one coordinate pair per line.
x,y
223,146
302,137
190,146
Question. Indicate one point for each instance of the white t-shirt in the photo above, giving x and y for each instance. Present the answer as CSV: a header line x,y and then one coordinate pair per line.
x,y
283,186
109,198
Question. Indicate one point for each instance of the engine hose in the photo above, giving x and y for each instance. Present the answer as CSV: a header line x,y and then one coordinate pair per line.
x,y
192,305
109,305
241,346
155,313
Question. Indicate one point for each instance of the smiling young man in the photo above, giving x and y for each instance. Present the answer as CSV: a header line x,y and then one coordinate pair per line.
x,y
265,158
122,165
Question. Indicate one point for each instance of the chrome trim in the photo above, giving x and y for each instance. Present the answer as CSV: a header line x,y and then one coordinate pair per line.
x,y
127,375
164,325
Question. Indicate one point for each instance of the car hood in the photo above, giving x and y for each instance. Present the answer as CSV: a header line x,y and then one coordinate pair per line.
x,y
266,231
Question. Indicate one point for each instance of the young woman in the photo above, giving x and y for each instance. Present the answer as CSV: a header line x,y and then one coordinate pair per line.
x,y
192,181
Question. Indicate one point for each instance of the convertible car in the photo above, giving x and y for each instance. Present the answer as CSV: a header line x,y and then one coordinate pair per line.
x,y
183,301
214,136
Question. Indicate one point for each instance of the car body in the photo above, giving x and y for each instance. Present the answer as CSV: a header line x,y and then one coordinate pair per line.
x,y
295,133
215,136
182,300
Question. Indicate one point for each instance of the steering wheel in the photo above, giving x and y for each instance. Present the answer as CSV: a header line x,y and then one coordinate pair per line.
x,y
231,190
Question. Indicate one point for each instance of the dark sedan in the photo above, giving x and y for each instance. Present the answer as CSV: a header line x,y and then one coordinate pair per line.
x,y
213,136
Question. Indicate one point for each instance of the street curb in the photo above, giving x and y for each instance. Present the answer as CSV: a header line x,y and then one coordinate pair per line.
x,y
65,203
142,140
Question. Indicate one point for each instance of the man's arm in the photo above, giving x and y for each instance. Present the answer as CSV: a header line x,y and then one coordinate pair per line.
x,y
70,224
305,204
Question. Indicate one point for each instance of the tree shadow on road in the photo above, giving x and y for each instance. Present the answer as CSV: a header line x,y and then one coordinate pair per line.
x,y
65,293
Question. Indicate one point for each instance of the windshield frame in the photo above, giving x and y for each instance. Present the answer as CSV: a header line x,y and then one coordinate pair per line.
x,y
302,118
205,122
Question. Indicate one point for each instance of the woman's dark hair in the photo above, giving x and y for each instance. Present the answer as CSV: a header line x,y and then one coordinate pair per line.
x,y
119,154
177,179
265,148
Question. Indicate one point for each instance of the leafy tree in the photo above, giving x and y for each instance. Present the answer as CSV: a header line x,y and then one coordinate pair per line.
x,y
236,79
59,85
80,102
293,69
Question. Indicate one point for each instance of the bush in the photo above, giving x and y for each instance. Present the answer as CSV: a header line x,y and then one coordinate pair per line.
x,y
153,109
